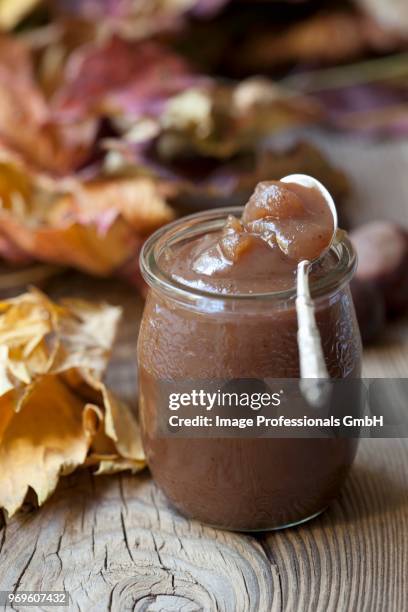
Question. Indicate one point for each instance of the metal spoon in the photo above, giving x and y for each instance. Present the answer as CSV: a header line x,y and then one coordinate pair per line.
x,y
313,371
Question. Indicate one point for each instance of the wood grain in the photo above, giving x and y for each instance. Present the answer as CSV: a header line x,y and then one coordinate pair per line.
x,y
116,544
352,557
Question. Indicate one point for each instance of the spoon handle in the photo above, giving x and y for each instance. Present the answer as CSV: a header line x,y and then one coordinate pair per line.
x,y
311,357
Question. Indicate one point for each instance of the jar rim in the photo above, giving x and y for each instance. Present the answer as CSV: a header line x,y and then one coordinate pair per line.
x,y
196,224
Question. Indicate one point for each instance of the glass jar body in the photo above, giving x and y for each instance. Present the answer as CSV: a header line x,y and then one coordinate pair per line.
x,y
242,483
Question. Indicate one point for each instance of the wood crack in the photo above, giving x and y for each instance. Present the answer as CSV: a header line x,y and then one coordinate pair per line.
x,y
3,538
57,552
158,553
26,566
105,560
125,538
93,540
121,493
271,558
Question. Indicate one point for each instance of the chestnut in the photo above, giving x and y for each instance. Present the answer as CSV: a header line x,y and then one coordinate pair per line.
x,y
382,249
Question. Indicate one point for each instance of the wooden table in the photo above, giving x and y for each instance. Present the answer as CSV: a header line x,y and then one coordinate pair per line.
x,y
115,544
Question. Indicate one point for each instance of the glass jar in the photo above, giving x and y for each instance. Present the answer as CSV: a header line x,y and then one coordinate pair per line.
x,y
187,333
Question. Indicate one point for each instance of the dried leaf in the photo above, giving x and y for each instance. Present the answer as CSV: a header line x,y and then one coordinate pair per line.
x,y
221,121
328,37
13,11
369,97
302,157
52,359
64,198
203,128
75,245
38,337
121,427
85,337
44,440
200,182
138,200
119,76
375,109
48,210
96,226
139,18
28,131
117,465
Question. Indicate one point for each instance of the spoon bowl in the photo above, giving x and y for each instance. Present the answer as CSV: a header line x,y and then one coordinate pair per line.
x,y
312,183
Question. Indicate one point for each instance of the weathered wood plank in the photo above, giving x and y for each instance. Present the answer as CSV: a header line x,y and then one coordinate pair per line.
x,y
354,556
115,543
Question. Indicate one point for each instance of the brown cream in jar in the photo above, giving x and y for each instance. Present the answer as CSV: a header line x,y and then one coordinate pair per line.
x,y
280,225
246,484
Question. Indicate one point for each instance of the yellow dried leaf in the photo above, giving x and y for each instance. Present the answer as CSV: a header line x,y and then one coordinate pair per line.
x,y
86,333
118,465
121,427
44,440
24,324
55,412
39,337
13,11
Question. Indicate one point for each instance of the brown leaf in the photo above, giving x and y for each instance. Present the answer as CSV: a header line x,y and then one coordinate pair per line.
x,y
138,18
303,158
39,337
325,38
74,244
28,131
120,77
230,182
367,98
207,128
